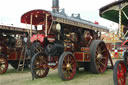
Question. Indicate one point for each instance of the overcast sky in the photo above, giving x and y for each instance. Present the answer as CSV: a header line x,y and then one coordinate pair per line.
x,y
11,10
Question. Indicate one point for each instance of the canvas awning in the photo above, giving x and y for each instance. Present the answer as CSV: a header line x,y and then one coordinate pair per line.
x,y
111,11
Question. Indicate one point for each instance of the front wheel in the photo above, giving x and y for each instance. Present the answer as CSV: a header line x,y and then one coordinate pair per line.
x,y
3,64
67,66
39,65
119,73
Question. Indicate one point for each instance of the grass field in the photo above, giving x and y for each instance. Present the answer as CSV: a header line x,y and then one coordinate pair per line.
x,y
12,77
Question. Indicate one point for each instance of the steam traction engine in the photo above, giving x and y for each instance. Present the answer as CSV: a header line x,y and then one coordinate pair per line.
x,y
11,45
66,43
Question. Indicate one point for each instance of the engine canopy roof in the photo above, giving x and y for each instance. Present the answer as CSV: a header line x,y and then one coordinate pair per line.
x,y
38,17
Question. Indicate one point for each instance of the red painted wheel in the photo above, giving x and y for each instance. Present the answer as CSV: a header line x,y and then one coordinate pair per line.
x,y
3,64
99,57
67,66
119,73
39,65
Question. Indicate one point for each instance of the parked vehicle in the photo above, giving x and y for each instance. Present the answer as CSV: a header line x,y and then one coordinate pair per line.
x,y
11,47
66,43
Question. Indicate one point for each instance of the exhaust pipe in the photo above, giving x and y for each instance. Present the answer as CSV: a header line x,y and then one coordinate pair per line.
x,y
55,6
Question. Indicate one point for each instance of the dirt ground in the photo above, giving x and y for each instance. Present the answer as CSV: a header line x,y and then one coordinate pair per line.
x,y
12,77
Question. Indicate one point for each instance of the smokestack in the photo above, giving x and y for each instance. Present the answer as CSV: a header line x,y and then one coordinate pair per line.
x,y
55,5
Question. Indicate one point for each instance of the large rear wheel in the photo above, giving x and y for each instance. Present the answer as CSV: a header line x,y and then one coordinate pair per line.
x,y
99,56
39,65
119,73
67,66
3,64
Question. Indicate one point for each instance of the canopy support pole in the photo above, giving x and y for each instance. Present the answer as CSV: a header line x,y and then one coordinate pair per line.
x,y
46,25
125,15
31,26
120,33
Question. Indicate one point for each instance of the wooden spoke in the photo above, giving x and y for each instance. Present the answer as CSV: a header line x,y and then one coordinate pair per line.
x,y
39,49
68,58
36,69
65,73
64,67
100,62
103,57
103,51
121,80
98,49
69,73
99,67
3,64
65,61
71,62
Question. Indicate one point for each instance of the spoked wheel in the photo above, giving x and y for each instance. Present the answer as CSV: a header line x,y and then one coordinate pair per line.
x,y
99,56
119,73
36,47
39,65
3,64
67,66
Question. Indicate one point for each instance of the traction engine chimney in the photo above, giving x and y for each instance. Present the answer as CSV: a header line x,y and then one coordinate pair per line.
x,y
55,5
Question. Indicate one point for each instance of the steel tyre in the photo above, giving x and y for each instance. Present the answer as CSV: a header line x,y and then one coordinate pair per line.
x,y
99,56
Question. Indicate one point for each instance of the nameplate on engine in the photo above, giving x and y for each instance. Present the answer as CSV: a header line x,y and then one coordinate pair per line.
x,y
51,64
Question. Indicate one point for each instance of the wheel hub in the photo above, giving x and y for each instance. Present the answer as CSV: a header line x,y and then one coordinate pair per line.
x,y
68,66
121,75
99,56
